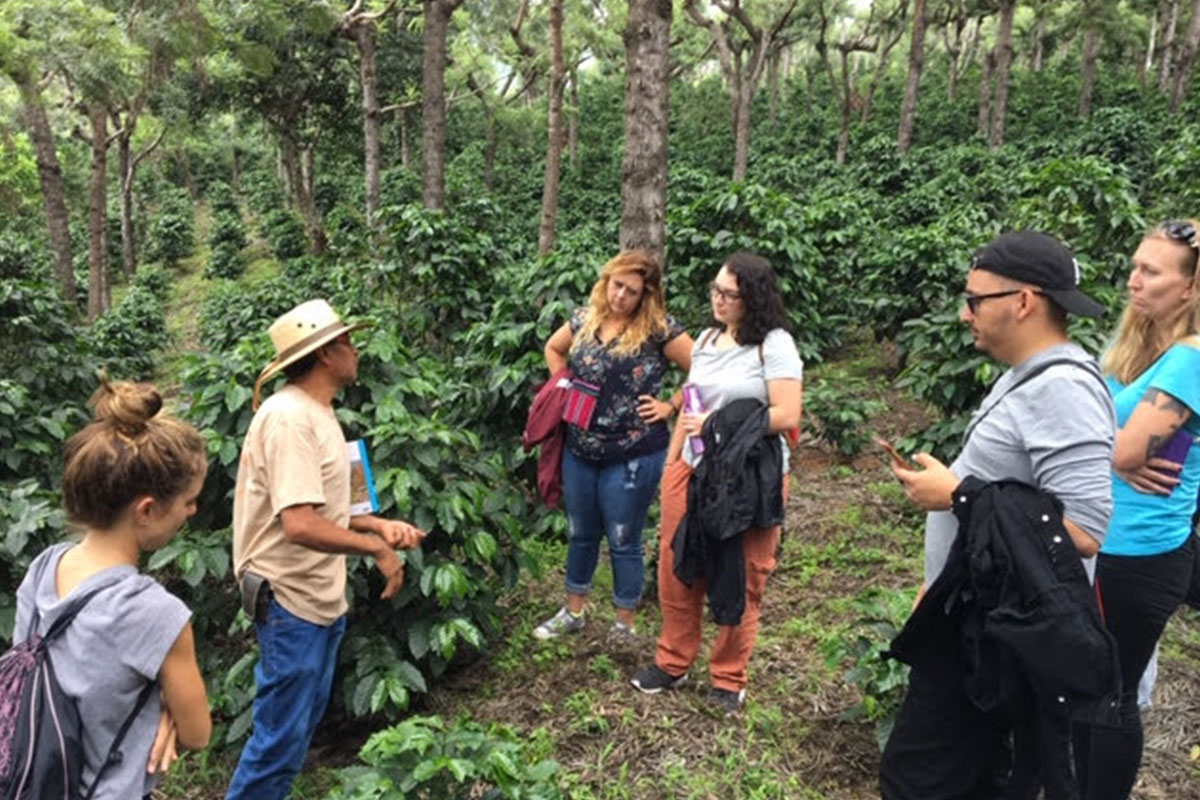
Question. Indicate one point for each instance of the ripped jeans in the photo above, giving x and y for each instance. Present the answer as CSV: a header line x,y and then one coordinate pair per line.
x,y
609,499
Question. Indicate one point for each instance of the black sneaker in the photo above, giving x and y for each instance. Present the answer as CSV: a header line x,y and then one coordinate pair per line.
x,y
653,680
727,701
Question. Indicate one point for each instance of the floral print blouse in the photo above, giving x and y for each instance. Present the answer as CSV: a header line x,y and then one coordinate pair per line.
x,y
617,433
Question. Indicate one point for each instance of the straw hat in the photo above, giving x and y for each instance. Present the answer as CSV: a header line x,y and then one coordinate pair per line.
x,y
298,333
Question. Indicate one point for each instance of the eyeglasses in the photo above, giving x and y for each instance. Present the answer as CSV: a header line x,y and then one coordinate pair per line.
x,y
724,294
1184,232
973,301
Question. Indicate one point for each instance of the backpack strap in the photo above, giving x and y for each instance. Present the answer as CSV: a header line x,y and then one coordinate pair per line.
x,y
708,336
114,753
1036,371
64,619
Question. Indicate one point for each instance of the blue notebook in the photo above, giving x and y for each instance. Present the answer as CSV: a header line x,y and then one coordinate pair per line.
x,y
363,499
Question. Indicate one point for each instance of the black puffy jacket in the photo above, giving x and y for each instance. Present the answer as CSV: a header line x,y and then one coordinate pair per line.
x,y
738,485
1015,599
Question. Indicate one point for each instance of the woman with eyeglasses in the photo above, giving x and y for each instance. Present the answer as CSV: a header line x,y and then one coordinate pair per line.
x,y
618,349
1146,563
747,354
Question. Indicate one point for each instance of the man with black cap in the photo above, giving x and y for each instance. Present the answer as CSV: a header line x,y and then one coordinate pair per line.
x,y
1048,422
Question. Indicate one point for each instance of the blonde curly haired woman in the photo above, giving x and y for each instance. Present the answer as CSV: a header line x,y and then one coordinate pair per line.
x,y
618,348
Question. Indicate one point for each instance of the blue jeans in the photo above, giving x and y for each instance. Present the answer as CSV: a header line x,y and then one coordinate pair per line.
x,y
294,677
609,500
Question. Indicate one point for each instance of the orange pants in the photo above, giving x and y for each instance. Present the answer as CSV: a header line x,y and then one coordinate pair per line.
x,y
683,608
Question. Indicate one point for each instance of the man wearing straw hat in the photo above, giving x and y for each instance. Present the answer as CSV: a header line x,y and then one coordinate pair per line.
x,y
292,530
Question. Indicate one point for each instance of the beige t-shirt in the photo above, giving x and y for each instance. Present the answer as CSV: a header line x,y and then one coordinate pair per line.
x,y
294,454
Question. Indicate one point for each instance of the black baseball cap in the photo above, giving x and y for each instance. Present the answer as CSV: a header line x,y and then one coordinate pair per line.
x,y
1042,260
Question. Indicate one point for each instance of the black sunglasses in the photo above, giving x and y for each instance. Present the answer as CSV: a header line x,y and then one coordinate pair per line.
x,y
1184,232
973,301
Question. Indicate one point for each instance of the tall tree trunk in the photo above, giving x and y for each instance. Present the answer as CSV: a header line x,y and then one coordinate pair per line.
x,y
573,121
1187,57
554,146
985,93
1148,63
237,166
433,103
291,157
308,171
773,85
405,140
489,150
1091,50
364,37
741,134
886,43
1038,56
916,62
954,52
843,143
810,77
58,221
1004,54
1168,55
98,297
125,175
647,38
188,177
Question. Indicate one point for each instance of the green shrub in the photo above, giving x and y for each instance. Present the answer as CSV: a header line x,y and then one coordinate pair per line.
x,y
347,232
155,280
441,265
223,199
285,233
49,373
227,230
225,261
425,758
881,682
171,235
32,520
839,407
263,190
126,338
748,216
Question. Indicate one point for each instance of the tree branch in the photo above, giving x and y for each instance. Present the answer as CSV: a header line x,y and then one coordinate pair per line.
x,y
147,151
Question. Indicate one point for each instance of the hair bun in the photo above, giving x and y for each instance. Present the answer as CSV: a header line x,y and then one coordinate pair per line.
x,y
128,407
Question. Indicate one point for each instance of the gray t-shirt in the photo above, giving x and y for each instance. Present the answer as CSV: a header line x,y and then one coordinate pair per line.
x,y
738,372
104,658
1055,432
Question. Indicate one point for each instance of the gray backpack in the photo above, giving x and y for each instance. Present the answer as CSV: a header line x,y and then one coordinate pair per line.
x,y
41,736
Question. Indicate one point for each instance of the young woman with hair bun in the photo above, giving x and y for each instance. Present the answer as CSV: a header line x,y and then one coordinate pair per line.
x,y
130,481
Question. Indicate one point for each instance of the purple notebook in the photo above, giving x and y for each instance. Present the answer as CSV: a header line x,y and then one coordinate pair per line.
x,y
1175,449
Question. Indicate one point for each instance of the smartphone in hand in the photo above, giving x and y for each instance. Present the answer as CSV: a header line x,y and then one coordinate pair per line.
x,y
894,453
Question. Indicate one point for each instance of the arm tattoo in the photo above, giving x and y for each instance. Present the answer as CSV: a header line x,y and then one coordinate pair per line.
x,y
1157,398
1155,444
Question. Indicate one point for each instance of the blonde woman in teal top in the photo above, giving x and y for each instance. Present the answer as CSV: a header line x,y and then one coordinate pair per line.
x,y
1146,563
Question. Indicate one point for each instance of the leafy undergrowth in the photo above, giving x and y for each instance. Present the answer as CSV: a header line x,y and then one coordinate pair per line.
x,y
853,546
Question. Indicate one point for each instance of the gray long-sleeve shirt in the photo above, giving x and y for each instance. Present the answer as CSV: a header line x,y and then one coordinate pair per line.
x,y
1055,432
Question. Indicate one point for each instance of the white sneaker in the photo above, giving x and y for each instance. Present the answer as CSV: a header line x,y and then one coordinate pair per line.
x,y
562,622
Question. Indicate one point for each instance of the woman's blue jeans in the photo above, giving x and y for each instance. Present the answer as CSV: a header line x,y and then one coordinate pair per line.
x,y
294,677
609,500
